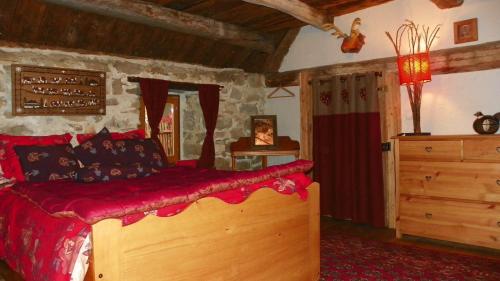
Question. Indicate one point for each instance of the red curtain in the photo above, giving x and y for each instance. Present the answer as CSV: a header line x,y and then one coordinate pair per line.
x,y
347,149
209,101
154,94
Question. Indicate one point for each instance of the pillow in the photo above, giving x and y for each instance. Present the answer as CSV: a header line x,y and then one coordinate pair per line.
x,y
47,163
97,172
99,149
8,158
143,151
134,134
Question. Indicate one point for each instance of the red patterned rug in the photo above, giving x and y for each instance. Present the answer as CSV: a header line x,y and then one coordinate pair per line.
x,y
351,258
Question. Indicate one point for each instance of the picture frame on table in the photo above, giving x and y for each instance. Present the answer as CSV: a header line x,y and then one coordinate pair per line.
x,y
264,131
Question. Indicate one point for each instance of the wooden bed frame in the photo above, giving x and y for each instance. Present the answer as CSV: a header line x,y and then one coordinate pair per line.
x,y
270,236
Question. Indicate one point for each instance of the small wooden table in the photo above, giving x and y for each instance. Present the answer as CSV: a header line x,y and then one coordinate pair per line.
x,y
243,147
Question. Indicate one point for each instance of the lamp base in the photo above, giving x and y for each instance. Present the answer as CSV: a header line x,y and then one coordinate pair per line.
x,y
415,134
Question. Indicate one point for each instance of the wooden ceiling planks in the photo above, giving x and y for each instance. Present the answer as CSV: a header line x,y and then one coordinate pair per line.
x,y
8,9
37,23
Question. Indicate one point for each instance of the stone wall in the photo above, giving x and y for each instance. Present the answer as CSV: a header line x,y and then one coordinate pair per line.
x,y
242,96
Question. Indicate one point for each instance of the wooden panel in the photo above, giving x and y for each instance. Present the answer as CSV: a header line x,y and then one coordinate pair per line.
x,y
56,91
431,150
482,150
470,181
471,223
270,236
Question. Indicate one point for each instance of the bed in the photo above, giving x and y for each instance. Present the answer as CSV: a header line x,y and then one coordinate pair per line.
x,y
212,236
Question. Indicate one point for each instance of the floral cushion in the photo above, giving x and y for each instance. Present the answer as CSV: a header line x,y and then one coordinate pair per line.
x,y
98,150
97,172
47,163
9,161
143,151
134,134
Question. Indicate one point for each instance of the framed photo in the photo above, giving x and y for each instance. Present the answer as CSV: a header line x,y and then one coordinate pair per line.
x,y
264,131
465,31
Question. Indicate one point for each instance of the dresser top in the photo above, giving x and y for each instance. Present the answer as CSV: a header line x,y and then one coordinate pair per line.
x,y
447,137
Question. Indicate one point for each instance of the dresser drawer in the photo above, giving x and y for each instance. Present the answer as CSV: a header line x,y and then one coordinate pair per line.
x,y
485,150
471,223
457,180
431,150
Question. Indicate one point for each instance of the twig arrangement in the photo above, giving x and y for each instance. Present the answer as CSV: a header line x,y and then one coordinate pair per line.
x,y
415,35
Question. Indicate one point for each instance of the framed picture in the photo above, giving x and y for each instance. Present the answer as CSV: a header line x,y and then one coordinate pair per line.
x,y
264,131
465,31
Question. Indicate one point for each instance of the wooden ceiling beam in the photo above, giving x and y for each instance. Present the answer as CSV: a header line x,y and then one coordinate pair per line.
x,y
158,16
445,61
298,10
446,4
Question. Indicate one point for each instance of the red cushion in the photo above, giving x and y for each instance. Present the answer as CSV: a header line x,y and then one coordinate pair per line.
x,y
8,157
134,134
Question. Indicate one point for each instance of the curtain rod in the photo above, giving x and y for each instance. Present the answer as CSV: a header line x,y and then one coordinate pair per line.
x,y
183,86
326,77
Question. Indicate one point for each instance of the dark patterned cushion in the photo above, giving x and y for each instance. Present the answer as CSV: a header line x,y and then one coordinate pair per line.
x,y
143,151
98,149
97,173
46,163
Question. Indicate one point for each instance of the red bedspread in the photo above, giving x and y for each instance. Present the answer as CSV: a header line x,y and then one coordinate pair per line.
x,y
36,245
97,201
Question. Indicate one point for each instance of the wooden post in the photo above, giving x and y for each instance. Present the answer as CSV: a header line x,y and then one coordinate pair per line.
x,y
390,123
306,116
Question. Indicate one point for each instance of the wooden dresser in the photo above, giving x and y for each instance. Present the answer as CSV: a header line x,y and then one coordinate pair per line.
x,y
449,188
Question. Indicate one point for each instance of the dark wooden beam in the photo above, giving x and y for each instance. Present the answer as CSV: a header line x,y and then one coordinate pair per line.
x,y
159,16
273,62
446,4
172,85
462,59
298,10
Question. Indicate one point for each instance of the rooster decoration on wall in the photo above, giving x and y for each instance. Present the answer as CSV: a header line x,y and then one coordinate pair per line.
x,y
353,42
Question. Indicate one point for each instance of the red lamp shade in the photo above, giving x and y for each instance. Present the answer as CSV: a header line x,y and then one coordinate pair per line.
x,y
414,68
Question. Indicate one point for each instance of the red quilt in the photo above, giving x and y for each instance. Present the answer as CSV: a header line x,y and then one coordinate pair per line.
x,y
97,201
37,246
43,247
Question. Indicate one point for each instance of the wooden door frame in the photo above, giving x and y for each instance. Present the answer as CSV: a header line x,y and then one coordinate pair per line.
x,y
389,97
142,123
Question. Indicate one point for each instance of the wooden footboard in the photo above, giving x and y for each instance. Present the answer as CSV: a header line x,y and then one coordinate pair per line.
x,y
270,236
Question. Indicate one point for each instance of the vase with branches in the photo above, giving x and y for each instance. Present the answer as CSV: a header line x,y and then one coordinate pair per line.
x,y
414,66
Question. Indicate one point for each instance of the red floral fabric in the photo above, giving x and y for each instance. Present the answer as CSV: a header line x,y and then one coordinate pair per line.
x,y
134,134
8,158
47,163
97,201
96,172
37,246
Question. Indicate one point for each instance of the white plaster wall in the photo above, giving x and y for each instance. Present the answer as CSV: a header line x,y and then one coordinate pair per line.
x,y
449,101
288,115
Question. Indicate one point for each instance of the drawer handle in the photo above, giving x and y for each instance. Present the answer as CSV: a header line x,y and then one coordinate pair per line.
x,y
498,149
498,223
428,178
498,182
428,215
428,148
